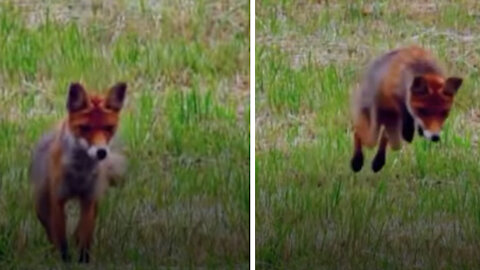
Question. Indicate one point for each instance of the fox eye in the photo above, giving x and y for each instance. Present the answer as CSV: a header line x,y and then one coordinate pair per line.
x,y
85,128
109,128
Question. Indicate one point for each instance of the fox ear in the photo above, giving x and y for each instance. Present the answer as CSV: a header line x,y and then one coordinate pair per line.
x,y
77,97
419,86
116,95
452,85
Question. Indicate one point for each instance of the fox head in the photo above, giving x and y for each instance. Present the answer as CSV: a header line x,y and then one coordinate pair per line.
x,y
429,101
93,120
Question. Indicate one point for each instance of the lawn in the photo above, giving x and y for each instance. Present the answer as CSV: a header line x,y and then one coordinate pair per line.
x,y
422,211
184,201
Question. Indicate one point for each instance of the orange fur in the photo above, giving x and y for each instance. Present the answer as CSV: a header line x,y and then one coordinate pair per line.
x,y
402,89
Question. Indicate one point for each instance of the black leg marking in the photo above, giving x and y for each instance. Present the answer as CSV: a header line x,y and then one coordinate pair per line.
x,y
64,252
357,161
378,161
408,127
84,256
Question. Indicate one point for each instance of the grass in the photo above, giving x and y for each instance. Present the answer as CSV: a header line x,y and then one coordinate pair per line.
x,y
184,201
422,210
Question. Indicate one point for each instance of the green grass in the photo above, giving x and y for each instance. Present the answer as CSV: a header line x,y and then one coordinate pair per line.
x,y
185,129
422,210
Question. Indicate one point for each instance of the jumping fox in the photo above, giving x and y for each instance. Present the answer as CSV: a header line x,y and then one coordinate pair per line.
x,y
74,162
403,90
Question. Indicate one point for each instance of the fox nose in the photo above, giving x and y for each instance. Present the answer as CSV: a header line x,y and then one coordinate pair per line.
x,y
101,154
435,138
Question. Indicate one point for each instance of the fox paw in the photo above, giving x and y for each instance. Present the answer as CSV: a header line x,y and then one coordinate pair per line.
x,y
357,162
65,255
84,256
378,162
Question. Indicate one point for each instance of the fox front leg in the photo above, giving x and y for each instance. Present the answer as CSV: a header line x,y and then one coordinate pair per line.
x,y
356,162
57,228
379,159
85,229
408,126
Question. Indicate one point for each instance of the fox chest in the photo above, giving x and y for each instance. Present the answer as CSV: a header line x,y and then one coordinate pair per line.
x,y
80,176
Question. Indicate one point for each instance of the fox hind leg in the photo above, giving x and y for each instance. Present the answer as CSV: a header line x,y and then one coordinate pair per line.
x,y
379,159
357,160
366,134
58,228
42,209
85,229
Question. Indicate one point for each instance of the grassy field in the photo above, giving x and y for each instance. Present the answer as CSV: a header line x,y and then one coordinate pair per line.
x,y
422,211
185,199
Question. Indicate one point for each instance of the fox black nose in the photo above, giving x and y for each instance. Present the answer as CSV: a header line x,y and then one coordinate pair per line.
x,y
435,138
101,153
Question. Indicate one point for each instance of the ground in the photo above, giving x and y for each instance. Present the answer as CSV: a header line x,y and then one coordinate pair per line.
x,y
422,211
184,201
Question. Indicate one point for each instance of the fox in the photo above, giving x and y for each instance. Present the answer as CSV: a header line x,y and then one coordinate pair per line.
x,y
403,91
75,161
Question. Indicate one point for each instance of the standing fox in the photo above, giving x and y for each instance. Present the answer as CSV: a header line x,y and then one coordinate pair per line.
x,y
74,161
403,90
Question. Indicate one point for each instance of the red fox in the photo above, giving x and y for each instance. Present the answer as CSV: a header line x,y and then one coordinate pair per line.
x,y
403,90
74,161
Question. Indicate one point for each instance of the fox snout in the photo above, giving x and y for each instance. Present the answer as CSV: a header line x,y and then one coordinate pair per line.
x,y
98,152
433,136
98,149
431,132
